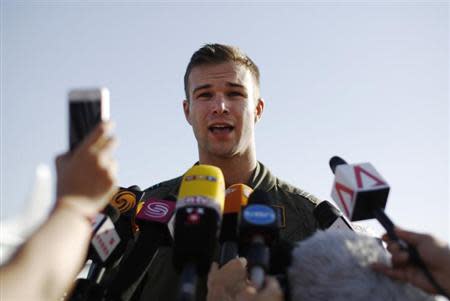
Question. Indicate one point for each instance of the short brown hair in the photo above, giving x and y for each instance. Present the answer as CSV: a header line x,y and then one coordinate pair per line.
x,y
213,54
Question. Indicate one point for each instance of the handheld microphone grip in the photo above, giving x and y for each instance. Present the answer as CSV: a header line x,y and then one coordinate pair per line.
x,y
414,256
258,261
236,196
228,251
188,283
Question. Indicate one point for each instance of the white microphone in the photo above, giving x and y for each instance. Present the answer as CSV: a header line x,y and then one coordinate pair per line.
x,y
358,189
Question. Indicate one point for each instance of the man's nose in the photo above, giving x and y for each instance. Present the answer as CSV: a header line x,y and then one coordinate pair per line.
x,y
220,104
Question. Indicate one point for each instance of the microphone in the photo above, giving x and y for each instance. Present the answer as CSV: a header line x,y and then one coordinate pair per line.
x,y
197,222
236,196
280,261
330,217
335,265
259,228
358,189
152,219
126,200
362,193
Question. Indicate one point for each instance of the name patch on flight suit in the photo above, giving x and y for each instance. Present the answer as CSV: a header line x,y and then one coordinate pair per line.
x,y
281,214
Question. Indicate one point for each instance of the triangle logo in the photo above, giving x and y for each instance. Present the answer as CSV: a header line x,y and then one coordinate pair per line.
x,y
345,195
366,179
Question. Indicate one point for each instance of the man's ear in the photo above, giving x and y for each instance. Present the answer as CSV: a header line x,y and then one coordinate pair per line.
x,y
186,110
259,109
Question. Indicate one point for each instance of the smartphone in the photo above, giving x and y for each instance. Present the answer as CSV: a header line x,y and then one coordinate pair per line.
x,y
87,108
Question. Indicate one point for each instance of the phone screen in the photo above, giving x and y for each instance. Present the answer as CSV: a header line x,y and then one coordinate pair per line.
x,y
84,117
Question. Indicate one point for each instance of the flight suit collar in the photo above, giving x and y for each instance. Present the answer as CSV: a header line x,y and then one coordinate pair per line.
x,y
262,178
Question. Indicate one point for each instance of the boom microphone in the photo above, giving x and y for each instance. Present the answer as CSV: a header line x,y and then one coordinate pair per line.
x,y
197,222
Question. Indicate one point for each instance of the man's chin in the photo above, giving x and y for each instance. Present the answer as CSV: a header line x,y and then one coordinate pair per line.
x,y
223,153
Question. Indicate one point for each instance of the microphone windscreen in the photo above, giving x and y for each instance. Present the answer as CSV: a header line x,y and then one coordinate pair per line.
x,y
236,196
134,188
124,200
202,185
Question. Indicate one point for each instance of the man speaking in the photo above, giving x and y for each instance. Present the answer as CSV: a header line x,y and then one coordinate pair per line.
x,y
223,105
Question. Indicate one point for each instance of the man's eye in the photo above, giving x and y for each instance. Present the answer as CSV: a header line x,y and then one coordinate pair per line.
x,y
204,95
236,94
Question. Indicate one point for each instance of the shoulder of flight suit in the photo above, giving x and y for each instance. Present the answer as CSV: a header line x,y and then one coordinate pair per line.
x,y
297,207
164,189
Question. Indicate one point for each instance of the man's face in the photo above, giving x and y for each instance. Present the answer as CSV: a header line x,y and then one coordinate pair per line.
x,y
222,109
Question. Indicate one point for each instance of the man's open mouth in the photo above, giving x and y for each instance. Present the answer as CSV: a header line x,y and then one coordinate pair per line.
x,y
221,128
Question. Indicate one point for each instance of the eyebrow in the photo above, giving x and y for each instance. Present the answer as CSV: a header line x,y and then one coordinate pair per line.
x,y
201,87
234,85
230,84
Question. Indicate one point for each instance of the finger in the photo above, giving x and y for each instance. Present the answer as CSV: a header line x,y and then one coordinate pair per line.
x,y
411,237
106,145
379,267
385,237
111,172
272,290
99,131
400,259
235,263
243,261
272,284
214,267
393,247
246,294
60,159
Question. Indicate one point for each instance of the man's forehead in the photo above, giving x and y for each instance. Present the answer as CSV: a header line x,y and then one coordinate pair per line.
x,y
215,73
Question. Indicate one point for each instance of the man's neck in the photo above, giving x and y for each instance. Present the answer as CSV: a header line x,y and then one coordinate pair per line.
x,y
236,170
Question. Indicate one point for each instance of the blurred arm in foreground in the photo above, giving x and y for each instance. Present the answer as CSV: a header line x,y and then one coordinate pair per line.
x,y
435,254
46,265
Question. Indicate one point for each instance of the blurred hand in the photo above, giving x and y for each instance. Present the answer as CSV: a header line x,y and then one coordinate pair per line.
x,y
270,292
435,254
226,282
87,176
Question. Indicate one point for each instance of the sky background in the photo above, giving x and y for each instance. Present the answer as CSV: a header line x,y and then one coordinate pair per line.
x,y
366,80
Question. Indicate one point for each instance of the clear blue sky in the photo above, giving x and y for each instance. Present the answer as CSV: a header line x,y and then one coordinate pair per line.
x,y
366,80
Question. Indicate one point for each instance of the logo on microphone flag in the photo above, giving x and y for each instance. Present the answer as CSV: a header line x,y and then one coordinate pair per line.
x,y
345,195
365,178
156,210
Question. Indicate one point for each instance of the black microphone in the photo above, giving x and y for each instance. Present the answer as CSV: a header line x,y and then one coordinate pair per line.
x,y
280,261
152,219
330,217
259,229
